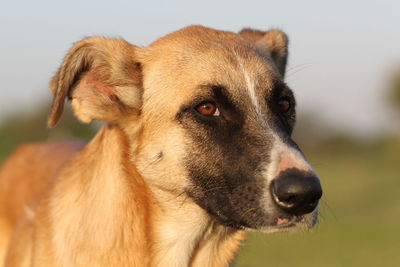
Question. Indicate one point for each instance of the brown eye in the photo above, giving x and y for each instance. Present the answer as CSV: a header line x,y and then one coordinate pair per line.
x,y
284,105
208,109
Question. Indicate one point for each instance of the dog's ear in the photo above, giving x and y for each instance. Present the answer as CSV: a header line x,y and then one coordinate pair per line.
x,y
102,77
273,41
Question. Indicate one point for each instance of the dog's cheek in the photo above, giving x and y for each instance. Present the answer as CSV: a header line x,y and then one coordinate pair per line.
x,y
159,158
226,175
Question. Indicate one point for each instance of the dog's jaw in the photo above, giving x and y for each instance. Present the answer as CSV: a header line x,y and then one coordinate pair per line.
x,y
294,224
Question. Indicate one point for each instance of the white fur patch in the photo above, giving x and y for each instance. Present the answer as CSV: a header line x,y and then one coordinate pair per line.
x,y
249,84
251,90
278,150
29,213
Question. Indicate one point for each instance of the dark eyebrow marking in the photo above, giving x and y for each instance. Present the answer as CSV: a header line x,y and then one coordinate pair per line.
x,y
218,94
223,97
231,111
279,87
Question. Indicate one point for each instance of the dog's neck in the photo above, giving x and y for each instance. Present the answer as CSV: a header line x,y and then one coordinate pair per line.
x,y
132,217
186,236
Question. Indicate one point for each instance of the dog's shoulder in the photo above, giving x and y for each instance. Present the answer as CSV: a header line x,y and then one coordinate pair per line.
x,y
29,169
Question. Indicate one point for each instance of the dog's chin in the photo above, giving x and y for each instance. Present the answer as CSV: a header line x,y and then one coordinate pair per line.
x,y
288,224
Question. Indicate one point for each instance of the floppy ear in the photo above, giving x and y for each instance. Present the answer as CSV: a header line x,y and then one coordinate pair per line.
x,y
273,41
102,77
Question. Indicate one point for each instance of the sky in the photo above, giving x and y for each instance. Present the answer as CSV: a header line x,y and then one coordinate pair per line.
x,y
341,52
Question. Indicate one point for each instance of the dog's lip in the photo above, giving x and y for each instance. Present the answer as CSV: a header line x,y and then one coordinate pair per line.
x,y
283,222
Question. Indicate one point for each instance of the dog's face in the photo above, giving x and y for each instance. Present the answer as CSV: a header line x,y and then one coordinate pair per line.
x,y
213,123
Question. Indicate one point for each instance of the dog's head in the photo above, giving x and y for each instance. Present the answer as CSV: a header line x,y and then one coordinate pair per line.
x,y
208,115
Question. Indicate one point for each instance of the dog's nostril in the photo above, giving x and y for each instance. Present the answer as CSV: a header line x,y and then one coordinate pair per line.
x,y
296,194
288,198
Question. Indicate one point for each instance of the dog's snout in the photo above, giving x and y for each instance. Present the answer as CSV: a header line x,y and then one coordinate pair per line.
x,y
296,193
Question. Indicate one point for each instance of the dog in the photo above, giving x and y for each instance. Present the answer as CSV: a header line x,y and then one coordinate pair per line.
x,y
195,151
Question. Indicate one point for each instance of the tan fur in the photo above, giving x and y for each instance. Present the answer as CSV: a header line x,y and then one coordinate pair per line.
x,y
19,191
111,203
121,207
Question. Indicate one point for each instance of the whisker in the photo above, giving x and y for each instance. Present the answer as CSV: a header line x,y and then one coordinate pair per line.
x,y
290,74
299,66
247,212
329,210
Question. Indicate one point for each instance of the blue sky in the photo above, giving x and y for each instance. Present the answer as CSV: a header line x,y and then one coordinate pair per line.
x,y
341,52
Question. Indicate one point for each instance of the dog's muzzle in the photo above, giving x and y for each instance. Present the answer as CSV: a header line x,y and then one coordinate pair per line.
x,y
296,192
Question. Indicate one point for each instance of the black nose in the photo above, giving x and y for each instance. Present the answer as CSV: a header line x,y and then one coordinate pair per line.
x,y
296,193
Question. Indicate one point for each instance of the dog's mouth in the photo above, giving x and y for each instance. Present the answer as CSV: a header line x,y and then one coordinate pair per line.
x,y
282,222
241,213
288,223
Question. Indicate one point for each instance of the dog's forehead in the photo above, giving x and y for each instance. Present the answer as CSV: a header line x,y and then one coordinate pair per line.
x,y
185,60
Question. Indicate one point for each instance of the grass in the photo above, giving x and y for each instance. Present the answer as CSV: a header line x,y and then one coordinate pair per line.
x,y
360,214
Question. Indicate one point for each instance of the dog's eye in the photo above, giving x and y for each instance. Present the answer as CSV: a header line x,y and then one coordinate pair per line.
x,y
284,105
207,109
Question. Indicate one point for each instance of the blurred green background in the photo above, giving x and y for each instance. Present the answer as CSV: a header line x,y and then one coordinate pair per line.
x,y
360,212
